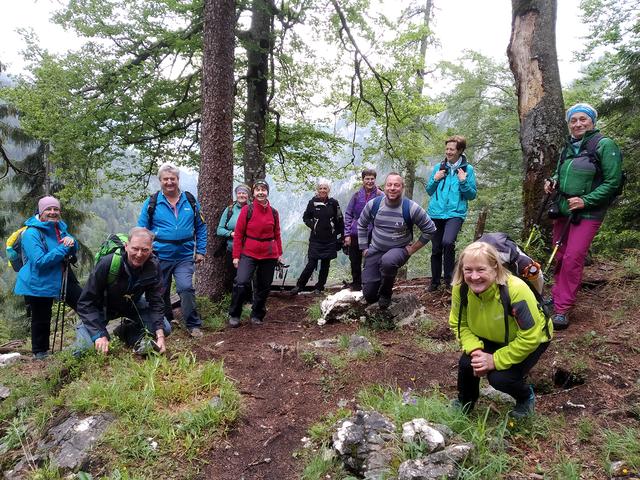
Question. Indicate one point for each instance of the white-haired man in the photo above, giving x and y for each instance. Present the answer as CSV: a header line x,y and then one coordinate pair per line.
x,y
176,220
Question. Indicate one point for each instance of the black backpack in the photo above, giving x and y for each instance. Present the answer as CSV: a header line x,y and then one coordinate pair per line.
x,y
153,202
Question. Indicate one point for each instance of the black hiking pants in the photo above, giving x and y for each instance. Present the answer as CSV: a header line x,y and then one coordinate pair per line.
x,y
41,314
263,270
510,381
355,259
311,265
443,249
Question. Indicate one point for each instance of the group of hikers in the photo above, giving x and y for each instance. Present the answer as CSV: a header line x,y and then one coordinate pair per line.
x,y
497,317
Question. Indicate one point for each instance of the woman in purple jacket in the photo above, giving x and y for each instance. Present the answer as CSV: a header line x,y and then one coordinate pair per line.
x,y
368,191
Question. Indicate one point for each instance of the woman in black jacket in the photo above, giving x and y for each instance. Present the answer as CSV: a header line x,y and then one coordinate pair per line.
x,y
324,217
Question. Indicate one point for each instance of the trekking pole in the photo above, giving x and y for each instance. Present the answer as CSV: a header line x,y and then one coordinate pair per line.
x,y
61,295
284,278
63,300
536,226
560,240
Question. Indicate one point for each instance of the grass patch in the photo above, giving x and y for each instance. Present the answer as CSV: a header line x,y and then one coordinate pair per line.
x,y
314,312
167,411
213,314
622,445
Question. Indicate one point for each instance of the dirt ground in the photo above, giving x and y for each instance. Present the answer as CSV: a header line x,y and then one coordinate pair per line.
x,y
284,393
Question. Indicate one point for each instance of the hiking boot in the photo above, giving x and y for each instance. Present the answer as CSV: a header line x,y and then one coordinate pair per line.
x,y
355,287
317,291
433,287
457,405
560,321
384,302
256,321
41,355
234,322
294,291
195,332
524,408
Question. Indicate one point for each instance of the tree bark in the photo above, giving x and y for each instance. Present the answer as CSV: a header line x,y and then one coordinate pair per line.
x,y
534,63
216,165
258,45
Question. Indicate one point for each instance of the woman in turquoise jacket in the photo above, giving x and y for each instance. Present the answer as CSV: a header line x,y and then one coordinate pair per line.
x,y
451,185
46,248
226,228
500,326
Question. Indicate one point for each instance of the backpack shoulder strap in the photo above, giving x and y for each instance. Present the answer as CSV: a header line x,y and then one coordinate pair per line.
x,y
506,307
249,212
592,145
376,206
464,292
276,219
229,213
406,213
114,267
151,208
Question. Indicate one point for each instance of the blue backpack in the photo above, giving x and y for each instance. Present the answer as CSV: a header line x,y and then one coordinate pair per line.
x,y
406,211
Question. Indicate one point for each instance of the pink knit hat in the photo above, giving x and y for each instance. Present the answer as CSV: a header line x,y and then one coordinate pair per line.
x,y
46,202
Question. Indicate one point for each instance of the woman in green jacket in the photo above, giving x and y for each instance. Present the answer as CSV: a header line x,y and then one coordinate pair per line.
x,y
503,332
587,179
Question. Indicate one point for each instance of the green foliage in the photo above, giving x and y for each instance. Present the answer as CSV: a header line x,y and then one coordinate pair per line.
x,y
314,312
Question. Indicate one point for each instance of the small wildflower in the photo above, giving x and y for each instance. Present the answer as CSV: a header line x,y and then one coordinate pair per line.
x,y
407,398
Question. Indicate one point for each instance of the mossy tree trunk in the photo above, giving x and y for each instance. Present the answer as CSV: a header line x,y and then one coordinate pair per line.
x,y
534,63
216,165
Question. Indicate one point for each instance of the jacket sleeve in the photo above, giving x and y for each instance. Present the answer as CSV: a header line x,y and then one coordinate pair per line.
x,y
91,300
143,218
222,230
467,338
277,235
348,215
153,295
423,222
611,165
530,332
307,216
201,231
36,251
239,232
432,184
468,188
363,226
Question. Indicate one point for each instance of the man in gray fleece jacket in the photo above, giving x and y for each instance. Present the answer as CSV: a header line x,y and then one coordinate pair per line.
x,y
393,217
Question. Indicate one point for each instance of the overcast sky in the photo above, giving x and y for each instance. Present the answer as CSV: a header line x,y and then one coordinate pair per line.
x,y
482,25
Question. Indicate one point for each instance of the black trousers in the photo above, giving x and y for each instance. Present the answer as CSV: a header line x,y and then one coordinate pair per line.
x,y
355,258
41,314
443,248
311,265
263,270
510,381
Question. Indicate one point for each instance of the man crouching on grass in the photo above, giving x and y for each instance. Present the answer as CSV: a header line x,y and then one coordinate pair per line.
x,y
106,297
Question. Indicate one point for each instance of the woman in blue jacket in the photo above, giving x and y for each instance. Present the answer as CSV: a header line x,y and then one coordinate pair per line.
x,y
46,247
451,185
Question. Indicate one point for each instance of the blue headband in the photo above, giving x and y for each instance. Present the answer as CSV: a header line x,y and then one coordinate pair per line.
x,y
583,108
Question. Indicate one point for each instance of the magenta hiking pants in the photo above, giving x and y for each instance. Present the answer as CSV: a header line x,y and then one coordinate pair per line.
x,y
570,260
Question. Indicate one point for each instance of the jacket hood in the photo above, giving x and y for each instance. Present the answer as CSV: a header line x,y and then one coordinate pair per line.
x,y
35,222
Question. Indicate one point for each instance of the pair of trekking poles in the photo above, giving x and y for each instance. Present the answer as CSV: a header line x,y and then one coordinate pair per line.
x,y
62,305
573,218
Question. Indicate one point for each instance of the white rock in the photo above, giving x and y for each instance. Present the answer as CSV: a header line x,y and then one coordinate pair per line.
x,y
420,430
9,358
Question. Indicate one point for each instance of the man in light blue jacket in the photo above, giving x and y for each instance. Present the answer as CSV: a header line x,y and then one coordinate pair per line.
x,y
451,185
180,232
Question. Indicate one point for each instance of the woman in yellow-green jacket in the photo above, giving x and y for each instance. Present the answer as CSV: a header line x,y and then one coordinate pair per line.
x,y
500,326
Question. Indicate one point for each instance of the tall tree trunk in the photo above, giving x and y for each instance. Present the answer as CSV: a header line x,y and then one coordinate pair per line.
x,y
216,165
411,165
534,63
258,46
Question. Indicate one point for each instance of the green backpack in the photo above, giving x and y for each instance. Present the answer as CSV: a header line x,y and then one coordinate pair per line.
x,y
113,244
